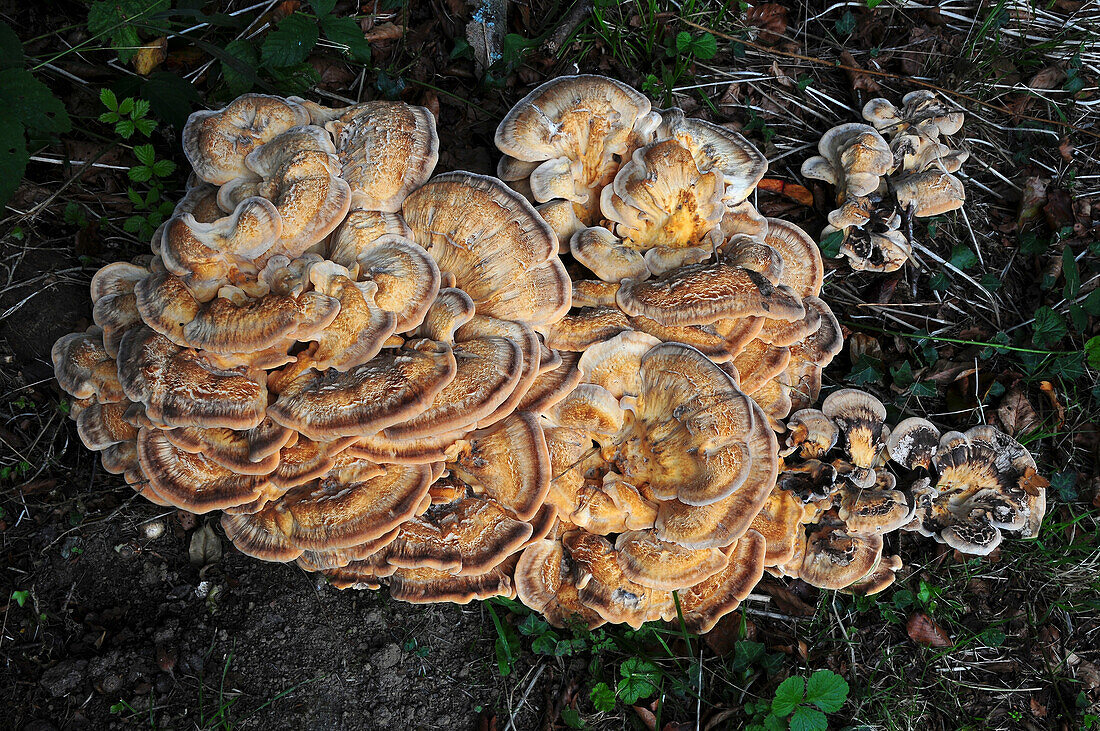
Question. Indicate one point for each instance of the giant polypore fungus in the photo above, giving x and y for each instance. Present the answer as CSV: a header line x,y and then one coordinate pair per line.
x,y
899,166
390,377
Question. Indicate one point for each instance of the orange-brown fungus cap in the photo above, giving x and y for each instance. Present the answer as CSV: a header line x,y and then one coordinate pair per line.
x,y
780,523
708,601
217,143
649,561
85,369
509,463
590,325
545,582
496,245
834,559
179,388
422,585
384,391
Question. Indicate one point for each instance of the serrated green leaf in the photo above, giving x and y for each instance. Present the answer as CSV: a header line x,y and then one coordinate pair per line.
x,y
30,102
246,60
13,157
290,43
140,174
145,126
774,723
322,7
141,108
572,718
163,168
639,680
347,32
603,698
788,695
124,128
705,46
1049,327
145,154
126,106
109,100
808,719
133,224
683,41
109,117
11,48
826,690
115,19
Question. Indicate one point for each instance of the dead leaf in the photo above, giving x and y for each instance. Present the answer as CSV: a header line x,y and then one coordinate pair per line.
x,y
785,600
1049,77
924,631
1038,709
384,32
648,718
1058,210
1016,413
1066,149
206,547
727,633
794,191
723,719
1052,395
151,55
859,80
771,19
1032,199
187,520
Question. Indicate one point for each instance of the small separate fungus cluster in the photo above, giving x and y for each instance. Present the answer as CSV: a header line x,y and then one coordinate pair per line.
x,y
565,387
885,173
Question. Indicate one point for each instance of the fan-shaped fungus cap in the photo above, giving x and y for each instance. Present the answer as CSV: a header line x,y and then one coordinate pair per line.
x,y
423,585
451,309
660,198
821,346
361,327
386,150
880,509
216,143
606,589
861,418
298,173
179,388
407,279
812,433
760,362
100,425
466,537
192,482
509,463
498,248
488,369
881,577
225,325
723,522
854,157
708,601
84,368
780,523
803,270
204,254
552,386
606,256
250,452
384,391
930,193
649,561
699,294
590,408
545,583
336,511
835,559
531,352
587,327
304,460
717,148
616,363
913,443
691,420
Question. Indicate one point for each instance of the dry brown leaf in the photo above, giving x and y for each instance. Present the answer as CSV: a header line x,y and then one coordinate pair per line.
x,y
1016,413
151,55
924,631
859,80
206,547
1032,199
771,19
1052,395
384,32
794,191
647,717
1058,210
1038,709
1050,77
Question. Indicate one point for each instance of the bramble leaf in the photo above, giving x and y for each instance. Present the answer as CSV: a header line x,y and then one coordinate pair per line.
x,y
788,695
29,101
347,32
639,680
290,43
808,719
826,690
603,698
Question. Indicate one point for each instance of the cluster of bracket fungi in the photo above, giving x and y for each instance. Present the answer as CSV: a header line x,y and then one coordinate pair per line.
x,y
566,388
898,167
